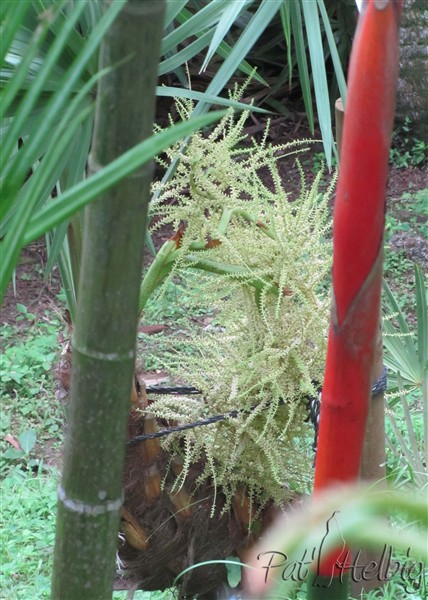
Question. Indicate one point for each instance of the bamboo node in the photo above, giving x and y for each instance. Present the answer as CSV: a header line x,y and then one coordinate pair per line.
x,y
108,356
93,510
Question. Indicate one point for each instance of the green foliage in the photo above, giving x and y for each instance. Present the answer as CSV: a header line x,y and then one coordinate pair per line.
x,y
282,36
233,569
27,523
141,595
407,150
173,305
405,441
49,72
264,257
406,356
27,535
318,162
400,588
409,213
48,76
407,216
398,272
26,441
32,415
418,203
232,564
27,364
170,594
28,356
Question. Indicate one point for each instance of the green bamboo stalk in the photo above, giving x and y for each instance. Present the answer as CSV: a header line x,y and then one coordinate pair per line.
x,y
90,493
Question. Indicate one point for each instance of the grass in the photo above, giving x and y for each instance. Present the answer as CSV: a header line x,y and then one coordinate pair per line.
x,y
27,537
29,351
172,305
413,587
28,522
28,532
33,417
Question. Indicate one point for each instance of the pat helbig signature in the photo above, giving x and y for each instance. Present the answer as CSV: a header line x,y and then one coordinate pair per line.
x,y
410,572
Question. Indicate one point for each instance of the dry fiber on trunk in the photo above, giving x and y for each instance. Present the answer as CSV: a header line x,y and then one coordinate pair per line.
x,y
167,530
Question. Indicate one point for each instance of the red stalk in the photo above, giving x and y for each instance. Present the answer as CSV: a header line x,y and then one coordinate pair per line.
x,y
359,217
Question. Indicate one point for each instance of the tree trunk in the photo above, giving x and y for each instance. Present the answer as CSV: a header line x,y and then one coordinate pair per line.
x,y
90,493
373,467
373,459
357,266
413,75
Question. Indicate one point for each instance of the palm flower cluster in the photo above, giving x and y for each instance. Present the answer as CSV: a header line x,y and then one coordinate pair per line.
x,y
263,258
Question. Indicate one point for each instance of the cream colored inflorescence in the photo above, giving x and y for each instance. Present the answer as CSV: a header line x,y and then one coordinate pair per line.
x,y
260,259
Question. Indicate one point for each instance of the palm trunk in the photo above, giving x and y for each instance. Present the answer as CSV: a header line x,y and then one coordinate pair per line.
x,y
357,263
90,493
373,469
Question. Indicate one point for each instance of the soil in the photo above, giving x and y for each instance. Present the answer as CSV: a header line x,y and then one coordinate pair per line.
x,y
30,288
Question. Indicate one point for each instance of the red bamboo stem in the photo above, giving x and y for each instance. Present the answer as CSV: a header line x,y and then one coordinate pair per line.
x,y
359,216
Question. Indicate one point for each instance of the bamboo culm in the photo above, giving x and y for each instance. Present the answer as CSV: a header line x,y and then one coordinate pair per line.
x,y
90,492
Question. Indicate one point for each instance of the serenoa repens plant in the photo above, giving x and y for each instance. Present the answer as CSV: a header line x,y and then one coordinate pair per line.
x,y
263,256
406,357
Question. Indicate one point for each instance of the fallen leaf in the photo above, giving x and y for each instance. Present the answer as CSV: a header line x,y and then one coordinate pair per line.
x,y
12,441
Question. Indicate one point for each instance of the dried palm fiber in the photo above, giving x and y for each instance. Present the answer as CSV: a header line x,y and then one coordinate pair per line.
x,y
167,531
